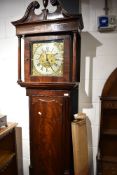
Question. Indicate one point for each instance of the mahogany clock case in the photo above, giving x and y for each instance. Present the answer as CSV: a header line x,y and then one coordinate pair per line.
x,y
53,99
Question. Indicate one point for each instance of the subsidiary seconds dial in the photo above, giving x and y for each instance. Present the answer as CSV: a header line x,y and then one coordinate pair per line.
x,y
47,58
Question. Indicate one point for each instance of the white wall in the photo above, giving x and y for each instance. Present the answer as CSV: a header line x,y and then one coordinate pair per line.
x,y
98,60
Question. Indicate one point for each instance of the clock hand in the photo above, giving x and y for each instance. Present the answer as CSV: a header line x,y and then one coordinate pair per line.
x,y
51,67
50,64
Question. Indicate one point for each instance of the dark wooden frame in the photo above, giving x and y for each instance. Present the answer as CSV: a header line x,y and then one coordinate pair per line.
x,y
67,59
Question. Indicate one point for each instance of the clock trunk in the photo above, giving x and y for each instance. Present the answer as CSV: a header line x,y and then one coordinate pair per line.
x,y
50,136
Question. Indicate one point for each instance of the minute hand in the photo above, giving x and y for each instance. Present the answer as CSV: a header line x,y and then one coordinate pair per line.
x,y
49,63
51,66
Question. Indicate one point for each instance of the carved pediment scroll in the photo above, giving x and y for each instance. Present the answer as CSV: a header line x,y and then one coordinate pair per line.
x,y
59,14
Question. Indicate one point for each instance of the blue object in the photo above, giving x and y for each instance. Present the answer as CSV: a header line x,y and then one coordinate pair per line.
x,y
103,21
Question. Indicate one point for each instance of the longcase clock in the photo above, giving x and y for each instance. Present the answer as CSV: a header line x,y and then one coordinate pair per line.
x,y
51,78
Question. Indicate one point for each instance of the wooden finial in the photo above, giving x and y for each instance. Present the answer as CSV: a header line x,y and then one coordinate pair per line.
x,y
45,3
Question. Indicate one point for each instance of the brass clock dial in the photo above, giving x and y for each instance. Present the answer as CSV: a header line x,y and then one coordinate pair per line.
x,y
47,58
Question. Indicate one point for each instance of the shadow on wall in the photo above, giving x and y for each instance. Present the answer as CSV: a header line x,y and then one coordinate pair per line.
x,y
89,45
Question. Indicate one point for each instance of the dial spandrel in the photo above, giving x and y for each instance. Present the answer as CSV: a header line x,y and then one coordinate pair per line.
x,y
47,58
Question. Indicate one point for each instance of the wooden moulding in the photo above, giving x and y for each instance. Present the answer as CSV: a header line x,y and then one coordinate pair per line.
x,y
55,86
5,130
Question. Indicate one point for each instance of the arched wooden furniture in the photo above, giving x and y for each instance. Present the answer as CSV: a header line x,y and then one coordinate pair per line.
x,y
107,151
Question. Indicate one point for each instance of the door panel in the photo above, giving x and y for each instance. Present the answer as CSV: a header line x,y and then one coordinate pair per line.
x,y
47,133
